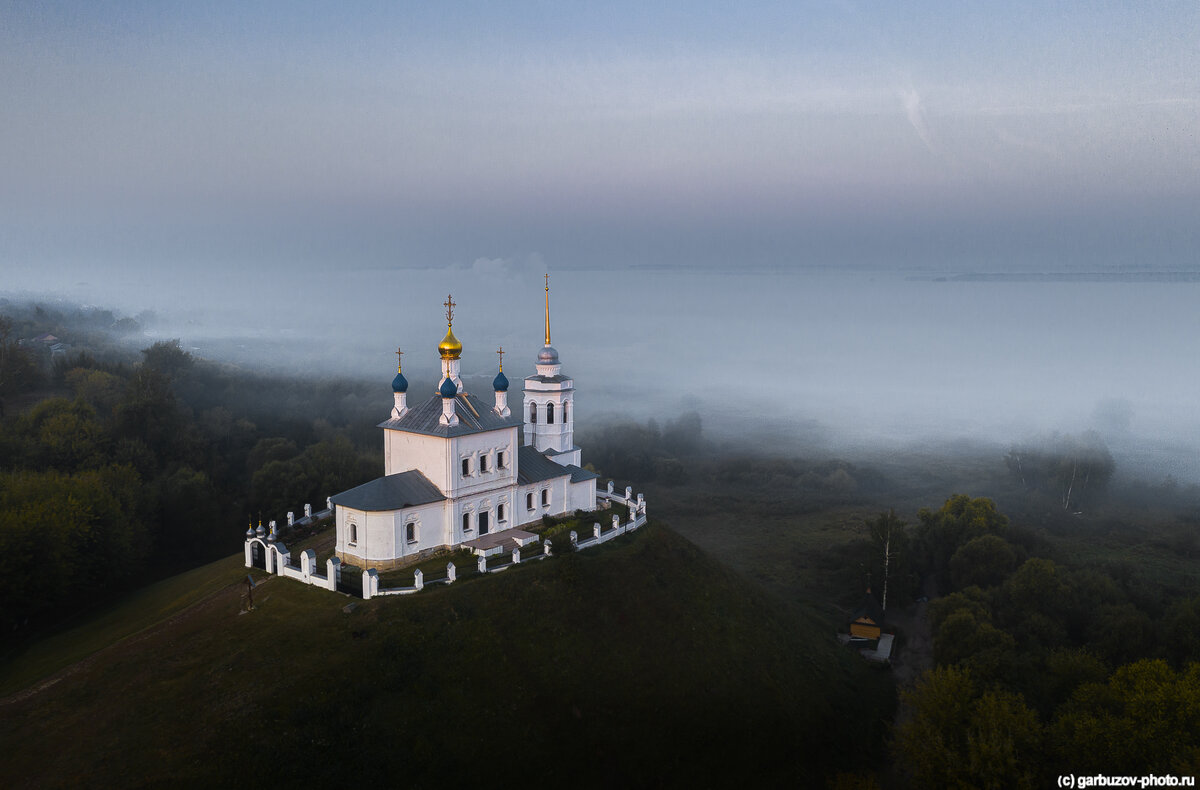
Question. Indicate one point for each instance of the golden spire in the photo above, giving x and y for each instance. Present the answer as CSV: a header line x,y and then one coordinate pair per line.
x,y
449,348
500,351
399,367
547,309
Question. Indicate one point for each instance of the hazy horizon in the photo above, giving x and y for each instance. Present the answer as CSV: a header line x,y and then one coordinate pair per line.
x,y
772,212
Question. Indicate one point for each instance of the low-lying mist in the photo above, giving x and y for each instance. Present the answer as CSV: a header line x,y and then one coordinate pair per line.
x,y
852,363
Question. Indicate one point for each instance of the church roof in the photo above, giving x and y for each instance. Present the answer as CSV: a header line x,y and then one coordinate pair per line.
x,y
579,475
548,379
474,416
394,492
534,467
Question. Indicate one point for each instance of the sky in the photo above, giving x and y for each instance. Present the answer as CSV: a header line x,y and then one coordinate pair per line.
x,y
152,139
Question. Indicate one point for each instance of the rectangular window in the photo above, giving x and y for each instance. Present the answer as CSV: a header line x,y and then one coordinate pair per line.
x,y
499,513
545,497
483,463
529,501
500,459
410,532
466,464
466,522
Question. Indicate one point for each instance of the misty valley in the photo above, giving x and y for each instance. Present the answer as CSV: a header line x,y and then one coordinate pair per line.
x,y
1038,576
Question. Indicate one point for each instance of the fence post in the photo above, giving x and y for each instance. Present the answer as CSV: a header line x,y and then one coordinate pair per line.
x,y
546,548
370,583
418,579
517,556
574,538
333,572
610,487
596,529
451,573
482,564
291,518
307,511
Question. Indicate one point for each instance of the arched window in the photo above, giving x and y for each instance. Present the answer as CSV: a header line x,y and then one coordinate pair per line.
x,y
353,533
565,410
466,522
529,501
410,532
533,413
549,413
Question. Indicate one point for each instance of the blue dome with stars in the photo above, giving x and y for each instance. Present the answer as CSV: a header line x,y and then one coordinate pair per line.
x,y
399,384
448,389
500,383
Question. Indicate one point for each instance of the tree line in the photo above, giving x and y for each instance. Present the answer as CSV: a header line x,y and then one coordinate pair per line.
x,y
126,469
1044,668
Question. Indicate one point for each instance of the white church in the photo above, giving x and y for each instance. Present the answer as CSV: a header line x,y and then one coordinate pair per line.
x,y
456,471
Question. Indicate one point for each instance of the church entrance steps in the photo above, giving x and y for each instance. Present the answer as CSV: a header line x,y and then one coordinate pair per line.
x,y
500,542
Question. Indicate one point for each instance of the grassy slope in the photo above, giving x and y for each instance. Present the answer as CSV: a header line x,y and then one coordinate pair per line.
x,y
639,662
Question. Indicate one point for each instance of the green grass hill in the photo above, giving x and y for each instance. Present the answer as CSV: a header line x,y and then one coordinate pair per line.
x,y
643,662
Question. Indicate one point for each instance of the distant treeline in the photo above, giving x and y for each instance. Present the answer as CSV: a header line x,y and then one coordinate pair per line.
x,y
126,466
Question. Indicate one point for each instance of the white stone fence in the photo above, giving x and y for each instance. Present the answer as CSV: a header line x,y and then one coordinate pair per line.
x,y
637,519
277,560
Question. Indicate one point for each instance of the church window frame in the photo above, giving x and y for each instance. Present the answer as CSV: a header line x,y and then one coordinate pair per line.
x,y
532,413
466,467
564,411
500,460
353,538
545,497
466,521
529,501
500,513
484,467
483,525
412,533
549,413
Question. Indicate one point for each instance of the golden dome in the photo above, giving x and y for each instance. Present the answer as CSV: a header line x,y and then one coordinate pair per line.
x,y
450,348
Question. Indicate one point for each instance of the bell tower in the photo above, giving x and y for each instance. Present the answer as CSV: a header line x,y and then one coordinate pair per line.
x,y
549,404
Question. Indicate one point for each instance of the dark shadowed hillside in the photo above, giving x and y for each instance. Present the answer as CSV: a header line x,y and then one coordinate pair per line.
x,y
643,663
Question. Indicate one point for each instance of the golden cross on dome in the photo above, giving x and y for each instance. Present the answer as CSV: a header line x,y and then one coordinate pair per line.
x,y
399,354
500,351
449,305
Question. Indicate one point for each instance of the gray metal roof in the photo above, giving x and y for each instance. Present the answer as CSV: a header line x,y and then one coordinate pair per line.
x,y
533,467
548,379
578,475
394,492
474,416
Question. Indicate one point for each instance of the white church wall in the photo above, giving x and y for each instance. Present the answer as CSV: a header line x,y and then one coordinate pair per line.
x,y
583,495
404,451
472,448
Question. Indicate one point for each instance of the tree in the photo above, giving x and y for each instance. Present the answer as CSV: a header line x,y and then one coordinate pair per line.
x,y
1071,467
1145,719
984,561
959,520
889,538
167,358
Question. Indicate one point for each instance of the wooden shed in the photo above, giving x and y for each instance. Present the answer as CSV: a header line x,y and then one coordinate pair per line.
x,y
867,620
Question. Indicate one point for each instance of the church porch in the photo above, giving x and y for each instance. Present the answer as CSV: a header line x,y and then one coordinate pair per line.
x,y
499,542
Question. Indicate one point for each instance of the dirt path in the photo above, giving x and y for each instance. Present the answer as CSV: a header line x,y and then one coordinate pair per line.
x,y
917,654
137,636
